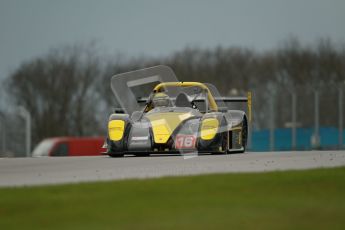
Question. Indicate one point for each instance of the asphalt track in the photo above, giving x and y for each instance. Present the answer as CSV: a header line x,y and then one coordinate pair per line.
x,y
39,171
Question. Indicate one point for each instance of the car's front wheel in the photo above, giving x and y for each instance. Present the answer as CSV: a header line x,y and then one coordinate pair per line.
x,y
116,155
244,134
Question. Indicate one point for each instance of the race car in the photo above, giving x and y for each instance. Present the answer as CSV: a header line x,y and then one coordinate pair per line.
x,y
160,114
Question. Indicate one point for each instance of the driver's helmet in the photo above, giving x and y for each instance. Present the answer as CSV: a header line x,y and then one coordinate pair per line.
x,y
161,99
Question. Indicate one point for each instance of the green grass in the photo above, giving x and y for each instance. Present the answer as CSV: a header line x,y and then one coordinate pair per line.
x,y
313,199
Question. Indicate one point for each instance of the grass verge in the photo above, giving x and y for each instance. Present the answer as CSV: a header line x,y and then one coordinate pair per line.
x,y
311,199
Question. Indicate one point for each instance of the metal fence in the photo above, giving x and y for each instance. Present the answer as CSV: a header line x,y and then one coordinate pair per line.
x,y
293,118
15,133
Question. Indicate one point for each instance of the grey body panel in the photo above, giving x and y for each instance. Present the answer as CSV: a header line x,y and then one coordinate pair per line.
x,y
139,137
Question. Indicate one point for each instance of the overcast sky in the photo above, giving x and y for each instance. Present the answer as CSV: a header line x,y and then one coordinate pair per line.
x,y
29,28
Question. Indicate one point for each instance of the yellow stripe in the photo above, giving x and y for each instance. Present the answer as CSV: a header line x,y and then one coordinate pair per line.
x,y
164,124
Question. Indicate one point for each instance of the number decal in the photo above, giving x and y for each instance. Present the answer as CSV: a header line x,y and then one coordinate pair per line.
x,y
185,142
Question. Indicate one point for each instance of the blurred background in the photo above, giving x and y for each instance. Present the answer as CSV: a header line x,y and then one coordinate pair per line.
x,y
57,58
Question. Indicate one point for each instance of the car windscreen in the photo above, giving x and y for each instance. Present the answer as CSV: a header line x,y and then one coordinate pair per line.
x,y
197,96
43,148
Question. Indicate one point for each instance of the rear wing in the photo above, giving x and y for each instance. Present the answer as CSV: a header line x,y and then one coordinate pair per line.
x,y
247,99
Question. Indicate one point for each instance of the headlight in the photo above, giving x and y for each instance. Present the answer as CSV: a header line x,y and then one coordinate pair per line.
x,y
116,129
209,128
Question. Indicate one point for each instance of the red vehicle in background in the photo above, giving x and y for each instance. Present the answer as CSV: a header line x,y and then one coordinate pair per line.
x,y
70,146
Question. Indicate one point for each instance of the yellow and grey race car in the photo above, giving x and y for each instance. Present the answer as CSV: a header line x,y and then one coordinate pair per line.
x,y
176,117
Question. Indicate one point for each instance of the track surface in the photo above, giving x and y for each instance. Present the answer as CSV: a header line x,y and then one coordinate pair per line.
x,y
37,171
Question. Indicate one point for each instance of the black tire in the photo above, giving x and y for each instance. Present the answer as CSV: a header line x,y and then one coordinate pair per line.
x,y
116,155
244,134
142,154
225,144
